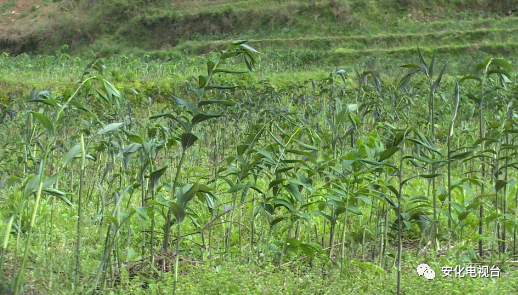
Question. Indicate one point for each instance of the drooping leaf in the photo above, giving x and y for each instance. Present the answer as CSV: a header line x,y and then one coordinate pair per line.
x,y
110,128
432,64
142,212
45,122
388,153
57,193
72,153
318,212
210,67
470,77
222,87
354,209
284,203
424,67
185,196
190,107
502,63
215,101
202,80
32,186
177,211
202,117
229,71
438,81
188,139
499,71
155,175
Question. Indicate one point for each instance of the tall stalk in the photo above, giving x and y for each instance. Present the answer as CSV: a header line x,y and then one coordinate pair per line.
x,y
4,244
399,214
167,228
78,240
31,225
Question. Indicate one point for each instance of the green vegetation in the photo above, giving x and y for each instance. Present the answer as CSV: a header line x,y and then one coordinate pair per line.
x,y
330,153
337,177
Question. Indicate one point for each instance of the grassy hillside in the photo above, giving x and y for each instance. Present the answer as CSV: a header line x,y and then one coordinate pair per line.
x,y
337,26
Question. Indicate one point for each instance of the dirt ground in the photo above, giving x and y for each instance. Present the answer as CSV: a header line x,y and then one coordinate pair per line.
x,y
12,13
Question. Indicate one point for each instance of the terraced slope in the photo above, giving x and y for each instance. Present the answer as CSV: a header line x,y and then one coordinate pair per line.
x,y
296,35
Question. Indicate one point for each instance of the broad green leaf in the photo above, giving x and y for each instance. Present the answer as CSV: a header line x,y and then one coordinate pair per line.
x,y
388,153
432,64
294,191
49,181
210,67
215,101
112,219
57,193
225,55
202,80
143,213
463,215
247,47
80,106
45,122
177,211
370,266
50,102
222,87
134,138
502,63
438,81
155,175
406,79
72,153
191,108
306,146
188,139
318,212
184,197
499,71
202,117
111,90
308,155
292,242
275,182
354,209
110,128
284,203
277,220
204,188
31,186
470,77
308,249
411,66
424,67
375,163
229,71
500,184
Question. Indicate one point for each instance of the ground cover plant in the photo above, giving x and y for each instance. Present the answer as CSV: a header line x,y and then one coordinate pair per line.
x,y
347,182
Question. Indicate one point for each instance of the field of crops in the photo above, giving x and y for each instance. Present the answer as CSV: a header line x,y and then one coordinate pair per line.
x,y
143,150
137,175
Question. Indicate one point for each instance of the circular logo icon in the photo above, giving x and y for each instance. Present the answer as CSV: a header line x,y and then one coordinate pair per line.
x,y
426,271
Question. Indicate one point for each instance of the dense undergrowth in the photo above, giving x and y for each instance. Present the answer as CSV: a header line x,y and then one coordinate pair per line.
x,y
201,186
